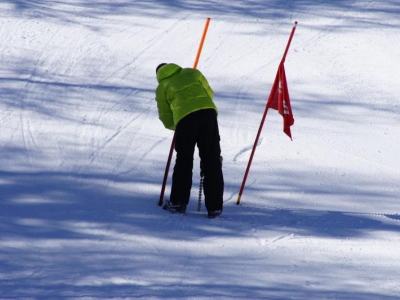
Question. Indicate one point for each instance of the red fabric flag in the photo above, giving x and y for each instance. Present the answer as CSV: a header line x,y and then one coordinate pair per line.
x,y
279,99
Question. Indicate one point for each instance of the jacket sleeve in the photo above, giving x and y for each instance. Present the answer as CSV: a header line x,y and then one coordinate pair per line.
x,y
206,86
164,111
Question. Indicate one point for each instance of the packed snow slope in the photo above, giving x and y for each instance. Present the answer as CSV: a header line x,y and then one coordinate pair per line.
x,y
82,152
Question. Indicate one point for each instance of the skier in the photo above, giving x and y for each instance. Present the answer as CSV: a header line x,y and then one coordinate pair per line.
x,y
185,104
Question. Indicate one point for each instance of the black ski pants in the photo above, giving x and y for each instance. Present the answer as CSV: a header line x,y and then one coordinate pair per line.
x,y
201,128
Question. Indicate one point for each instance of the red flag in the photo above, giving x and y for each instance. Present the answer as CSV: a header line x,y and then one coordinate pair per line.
x,y
279,99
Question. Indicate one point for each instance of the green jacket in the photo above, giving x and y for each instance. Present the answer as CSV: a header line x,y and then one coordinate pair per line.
x,y
181,92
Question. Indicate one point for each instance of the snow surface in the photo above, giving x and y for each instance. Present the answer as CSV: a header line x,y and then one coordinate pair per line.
x,y
83,153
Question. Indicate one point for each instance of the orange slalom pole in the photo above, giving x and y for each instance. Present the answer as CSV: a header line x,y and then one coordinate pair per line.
x,y
171,150
203,37
262,122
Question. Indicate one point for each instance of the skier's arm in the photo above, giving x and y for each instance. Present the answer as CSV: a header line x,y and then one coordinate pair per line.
x,y
164,111
206,86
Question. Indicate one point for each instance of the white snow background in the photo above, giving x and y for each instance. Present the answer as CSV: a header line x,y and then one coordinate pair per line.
x,y
83,153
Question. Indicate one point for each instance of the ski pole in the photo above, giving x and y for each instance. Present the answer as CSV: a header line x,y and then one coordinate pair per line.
x,y
171,150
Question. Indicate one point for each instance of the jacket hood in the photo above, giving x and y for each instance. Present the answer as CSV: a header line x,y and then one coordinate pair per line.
x,y
166,71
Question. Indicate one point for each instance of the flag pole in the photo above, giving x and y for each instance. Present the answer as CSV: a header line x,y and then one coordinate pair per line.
x,y
263,119
171,150
289,42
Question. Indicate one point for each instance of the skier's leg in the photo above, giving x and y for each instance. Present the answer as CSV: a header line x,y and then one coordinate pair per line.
x,y
182,176
210,152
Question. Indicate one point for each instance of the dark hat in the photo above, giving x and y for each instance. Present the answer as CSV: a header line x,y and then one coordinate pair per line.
x,y
159,66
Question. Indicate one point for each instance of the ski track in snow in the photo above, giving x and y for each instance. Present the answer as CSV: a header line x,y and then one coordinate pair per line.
x,y
246,149
25,122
